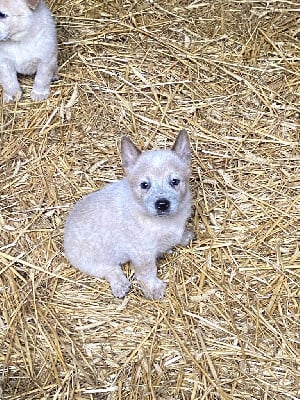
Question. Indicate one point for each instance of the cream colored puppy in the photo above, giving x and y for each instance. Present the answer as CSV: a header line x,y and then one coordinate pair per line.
x,y
27,46
136,219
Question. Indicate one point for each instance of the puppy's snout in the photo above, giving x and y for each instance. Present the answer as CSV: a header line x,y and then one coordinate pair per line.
x,y
162,205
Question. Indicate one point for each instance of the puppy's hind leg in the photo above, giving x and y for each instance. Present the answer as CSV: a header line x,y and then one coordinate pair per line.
x,y
119,284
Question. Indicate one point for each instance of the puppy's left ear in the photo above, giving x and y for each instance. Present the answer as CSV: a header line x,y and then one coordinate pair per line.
x,y
32,4
129,152
182,146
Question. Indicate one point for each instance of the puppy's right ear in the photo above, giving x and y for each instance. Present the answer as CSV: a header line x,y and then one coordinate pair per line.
x,y
182,146
129,152
32,4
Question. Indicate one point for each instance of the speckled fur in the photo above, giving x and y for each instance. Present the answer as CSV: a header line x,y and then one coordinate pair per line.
x,y
121,223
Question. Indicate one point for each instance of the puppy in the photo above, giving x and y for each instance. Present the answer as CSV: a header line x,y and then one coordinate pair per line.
x,y
27,46
136,219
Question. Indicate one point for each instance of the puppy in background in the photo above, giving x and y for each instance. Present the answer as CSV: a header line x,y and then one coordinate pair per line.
x,y
27,46
136,219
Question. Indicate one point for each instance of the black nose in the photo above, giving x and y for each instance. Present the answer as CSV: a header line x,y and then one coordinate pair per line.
x,y
162,204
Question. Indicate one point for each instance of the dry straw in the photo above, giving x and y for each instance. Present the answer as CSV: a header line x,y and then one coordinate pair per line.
x,y
228,328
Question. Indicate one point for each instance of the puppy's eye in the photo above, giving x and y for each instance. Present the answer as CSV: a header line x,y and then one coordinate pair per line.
x,y
2,15
175,182
145,185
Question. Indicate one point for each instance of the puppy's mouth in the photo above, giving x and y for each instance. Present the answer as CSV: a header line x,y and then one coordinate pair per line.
x,y
163,213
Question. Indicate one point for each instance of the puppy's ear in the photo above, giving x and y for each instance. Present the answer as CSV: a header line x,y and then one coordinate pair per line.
x,y
129,152
32,4
182,146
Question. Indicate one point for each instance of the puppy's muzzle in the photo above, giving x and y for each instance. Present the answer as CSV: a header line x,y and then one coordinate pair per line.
x,y
162,206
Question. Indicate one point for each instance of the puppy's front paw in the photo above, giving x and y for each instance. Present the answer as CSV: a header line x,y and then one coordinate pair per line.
x,y
154,289
120,287
39,95
11,97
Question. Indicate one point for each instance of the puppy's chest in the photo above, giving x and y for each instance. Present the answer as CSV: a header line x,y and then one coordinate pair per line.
x,y
164,236
25,56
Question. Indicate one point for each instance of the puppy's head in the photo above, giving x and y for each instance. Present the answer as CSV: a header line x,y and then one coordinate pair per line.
x,y
16,18
158,178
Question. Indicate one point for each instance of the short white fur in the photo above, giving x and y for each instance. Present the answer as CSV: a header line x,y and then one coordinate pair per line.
x,y
136,219
28,46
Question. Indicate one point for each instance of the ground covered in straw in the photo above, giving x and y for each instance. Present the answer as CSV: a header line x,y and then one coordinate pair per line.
x,y
228,328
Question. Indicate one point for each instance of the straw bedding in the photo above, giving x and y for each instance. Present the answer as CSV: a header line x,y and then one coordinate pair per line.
x,y
228,328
